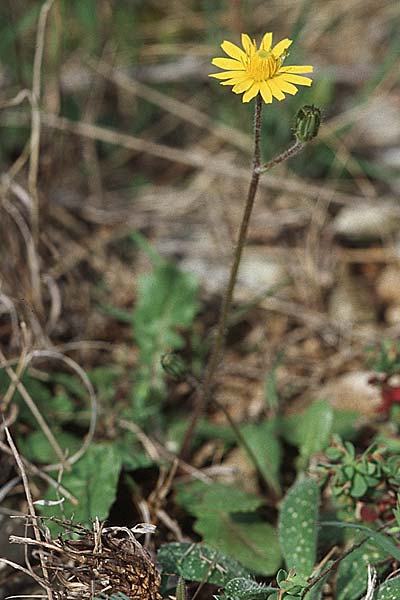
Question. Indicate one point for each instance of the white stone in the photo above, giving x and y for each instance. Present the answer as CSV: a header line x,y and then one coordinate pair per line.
x,y
367,221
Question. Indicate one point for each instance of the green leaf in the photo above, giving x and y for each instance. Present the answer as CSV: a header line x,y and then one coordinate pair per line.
x,y
244,588
298,526
201,499
199,562
130,452
352,576
167,301
93,481
36,447
251,541
359,486
310,431
226,520
390,590
383,541
263,440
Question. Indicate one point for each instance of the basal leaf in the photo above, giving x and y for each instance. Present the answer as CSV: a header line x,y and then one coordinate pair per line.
x,y
309,431
252,542
264,442
199,562
390,590
298,526
201,499
383,541
36,447
167,302
352,575
93,481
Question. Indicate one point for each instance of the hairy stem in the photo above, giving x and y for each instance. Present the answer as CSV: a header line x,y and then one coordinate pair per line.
x,y
292,151
218,345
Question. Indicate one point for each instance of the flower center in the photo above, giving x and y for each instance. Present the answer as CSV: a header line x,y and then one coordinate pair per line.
x,y
263,65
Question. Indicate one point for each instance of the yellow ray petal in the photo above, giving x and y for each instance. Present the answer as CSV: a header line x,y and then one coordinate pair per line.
x,y
285,86
233,51
276,90
298,79
234,81
242,86
226,74
248,44
227,63
265,92
281,46
266,42
251,92
296,69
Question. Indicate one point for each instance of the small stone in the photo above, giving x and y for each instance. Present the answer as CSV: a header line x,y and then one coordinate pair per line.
x,y
351,301
367,222
257,274
392,314
388,285
379,124
352,392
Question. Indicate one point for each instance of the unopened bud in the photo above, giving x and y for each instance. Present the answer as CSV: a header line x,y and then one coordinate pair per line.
x,y
174,365
308,120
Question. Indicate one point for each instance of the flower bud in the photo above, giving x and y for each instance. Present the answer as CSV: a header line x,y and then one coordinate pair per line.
x,y
308,120
174,365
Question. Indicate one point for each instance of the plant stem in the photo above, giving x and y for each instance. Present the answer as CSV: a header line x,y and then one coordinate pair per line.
x,y
292,151
217,348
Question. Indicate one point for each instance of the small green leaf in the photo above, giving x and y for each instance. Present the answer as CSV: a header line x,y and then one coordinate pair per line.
x,y
298,526
244,588
358,486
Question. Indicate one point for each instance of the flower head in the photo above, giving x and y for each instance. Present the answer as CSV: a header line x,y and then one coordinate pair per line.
x,y
254,71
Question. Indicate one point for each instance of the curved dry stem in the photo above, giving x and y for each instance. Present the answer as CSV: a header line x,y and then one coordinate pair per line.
x,y
17,384
52,354
33,260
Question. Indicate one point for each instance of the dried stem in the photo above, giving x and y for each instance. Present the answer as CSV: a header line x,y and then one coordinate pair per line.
x,y
31,508
36,116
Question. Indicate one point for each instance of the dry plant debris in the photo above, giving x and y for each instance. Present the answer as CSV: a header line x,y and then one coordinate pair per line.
x,y
93,562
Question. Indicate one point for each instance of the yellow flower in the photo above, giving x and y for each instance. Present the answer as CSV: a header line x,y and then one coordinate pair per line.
x,y
254,71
